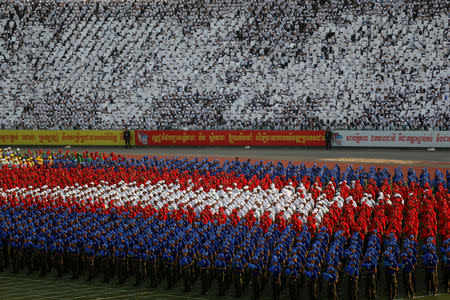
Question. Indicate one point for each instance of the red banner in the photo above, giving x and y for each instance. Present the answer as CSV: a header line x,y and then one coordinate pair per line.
x,y
230,137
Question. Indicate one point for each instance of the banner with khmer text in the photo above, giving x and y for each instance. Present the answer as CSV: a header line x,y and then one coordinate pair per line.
x,y
374,138
230,137
62,137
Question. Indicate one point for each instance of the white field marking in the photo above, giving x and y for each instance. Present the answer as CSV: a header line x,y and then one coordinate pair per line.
x,y
371,160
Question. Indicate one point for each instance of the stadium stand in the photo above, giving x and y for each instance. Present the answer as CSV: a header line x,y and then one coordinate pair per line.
x,y
226,64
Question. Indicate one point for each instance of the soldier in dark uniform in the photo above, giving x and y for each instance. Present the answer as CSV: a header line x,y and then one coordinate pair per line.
x,y
186,264
352,270
391,268
121,264
152,268
229,272
42,256
275,275
127,138
57,252
16,253
73,254
170,269
431,262
221,268
137,265
256,278
204,265
331,278
407,265
89,255
292,278
6,247
2,258
105,260
328,138
238,276
28,255
446,266
312,274
370,265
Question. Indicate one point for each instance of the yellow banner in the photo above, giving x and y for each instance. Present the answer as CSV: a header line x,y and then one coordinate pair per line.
x,y
64,137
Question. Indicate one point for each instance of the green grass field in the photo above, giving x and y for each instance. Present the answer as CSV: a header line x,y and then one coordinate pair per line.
x,y
21,286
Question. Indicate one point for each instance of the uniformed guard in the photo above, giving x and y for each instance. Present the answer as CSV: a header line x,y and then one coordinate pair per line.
x,y
238,276
105,261
446,266
204,265
89,255
41,257
292,278
121,264
57,252
6,240
16,253
390,268
170,268
256,278
431,262
407,266
28,255
220,266
152,268
312,275
370,266
275,276
331,279
186,264
137,262
73,254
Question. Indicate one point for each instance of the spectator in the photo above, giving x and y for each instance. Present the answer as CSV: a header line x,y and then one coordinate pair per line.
x,y
224,64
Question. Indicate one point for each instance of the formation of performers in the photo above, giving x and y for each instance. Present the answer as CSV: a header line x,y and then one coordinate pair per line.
x,y
157,222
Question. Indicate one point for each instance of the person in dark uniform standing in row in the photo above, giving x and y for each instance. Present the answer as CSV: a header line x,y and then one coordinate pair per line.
x,y
127,138
328,138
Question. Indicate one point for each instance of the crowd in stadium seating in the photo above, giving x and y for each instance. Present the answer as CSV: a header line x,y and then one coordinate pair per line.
x,y
227,64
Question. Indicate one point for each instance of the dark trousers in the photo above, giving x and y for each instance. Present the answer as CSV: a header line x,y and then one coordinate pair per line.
x,y
314,289
127,143
371,287
238,283
205,279
187,278
276,288
28,259
354,288
256,287
391,282
328,144
221,282
447,279
152,273
431,281
293,288
59,264
332,291
122,270
106,268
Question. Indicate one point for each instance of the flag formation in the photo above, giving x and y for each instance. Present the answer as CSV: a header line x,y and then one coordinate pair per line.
x,y
242,224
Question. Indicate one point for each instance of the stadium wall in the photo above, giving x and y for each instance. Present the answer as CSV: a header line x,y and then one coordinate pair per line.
x,y
63,137
394,139
342,138
230,137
